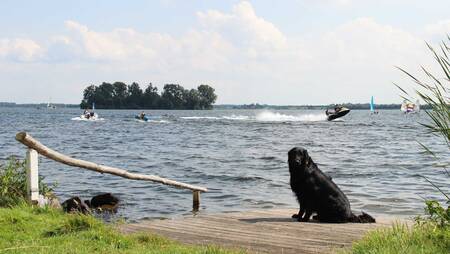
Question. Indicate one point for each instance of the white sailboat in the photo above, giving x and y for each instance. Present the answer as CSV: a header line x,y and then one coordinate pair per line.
x,y
409,107
50,105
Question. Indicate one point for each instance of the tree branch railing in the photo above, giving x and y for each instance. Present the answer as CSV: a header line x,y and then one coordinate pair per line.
x,y
35,148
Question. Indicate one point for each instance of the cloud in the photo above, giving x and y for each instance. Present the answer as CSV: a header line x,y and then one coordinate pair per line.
x,y
20,50
116,45
439,29
364,41
244,56
244,29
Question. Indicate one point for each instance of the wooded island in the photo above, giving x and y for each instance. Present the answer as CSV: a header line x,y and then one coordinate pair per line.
x,y
119,95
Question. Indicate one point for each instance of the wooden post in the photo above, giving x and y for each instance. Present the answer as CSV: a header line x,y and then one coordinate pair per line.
x,y
32,176
196,200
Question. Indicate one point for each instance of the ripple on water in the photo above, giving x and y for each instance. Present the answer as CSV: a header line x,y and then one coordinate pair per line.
x,y
239,156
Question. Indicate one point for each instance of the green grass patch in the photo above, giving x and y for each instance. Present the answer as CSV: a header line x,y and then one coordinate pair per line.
x,y
25,229
400,238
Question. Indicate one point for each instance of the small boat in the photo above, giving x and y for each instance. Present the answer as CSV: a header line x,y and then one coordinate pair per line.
x,y
90,115
50,105
409,107
337,112
372,107
144,118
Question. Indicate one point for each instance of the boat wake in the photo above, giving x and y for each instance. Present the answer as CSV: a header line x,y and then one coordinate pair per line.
x,y
268,116
87,120
265,116
200,117
152,121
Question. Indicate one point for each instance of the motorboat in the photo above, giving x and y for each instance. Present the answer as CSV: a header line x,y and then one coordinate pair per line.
x,y
337,112
92,116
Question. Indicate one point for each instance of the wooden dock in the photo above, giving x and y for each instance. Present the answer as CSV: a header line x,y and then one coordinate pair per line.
x,y
263,231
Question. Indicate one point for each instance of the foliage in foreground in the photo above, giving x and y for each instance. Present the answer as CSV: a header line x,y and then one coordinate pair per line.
x,y
429,234
420,238
24,229
436,93
13,189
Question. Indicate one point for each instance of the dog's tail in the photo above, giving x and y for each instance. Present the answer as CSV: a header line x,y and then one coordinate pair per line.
x,y
363,218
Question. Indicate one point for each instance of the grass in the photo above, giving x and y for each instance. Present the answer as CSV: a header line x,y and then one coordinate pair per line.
x,y
420,238
25,229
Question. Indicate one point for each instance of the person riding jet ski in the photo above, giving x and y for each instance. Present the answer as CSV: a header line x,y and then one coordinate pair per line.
x,y
339,111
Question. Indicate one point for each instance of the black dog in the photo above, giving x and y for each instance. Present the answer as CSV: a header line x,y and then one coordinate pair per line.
x,y
317,193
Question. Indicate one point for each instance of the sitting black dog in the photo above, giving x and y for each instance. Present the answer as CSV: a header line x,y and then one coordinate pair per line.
x,y
317,193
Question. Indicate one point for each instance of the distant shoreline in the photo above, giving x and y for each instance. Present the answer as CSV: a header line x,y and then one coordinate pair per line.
x,y
352,106
36,105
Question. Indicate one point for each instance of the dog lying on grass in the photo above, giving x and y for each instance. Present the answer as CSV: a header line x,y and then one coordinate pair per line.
x,y
317,193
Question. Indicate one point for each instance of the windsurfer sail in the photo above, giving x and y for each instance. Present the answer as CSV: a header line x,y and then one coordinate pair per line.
x,y
372,106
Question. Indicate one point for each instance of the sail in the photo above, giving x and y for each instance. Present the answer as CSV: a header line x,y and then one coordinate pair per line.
x,y
372,108
417,106
403,108
93,106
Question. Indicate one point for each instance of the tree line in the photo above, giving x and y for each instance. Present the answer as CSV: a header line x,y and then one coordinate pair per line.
x,y
119,95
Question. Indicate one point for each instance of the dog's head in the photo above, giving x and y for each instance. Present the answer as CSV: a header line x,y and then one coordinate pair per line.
x,y
298,160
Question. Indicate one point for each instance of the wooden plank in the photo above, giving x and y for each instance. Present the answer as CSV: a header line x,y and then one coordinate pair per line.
x,y
263,231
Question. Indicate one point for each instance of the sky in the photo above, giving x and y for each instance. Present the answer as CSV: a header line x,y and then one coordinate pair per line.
x,y
290,52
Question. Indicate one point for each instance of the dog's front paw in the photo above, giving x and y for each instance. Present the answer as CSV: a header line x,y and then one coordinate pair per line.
x,y
295,216
303,219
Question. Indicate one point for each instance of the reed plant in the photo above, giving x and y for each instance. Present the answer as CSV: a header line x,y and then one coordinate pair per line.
x,y
435,91
430,233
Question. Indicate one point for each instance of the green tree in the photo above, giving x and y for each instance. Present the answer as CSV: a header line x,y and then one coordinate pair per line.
x,y
192,99
135,96
120,94
208,97
88,96
104,95
151,98
173,96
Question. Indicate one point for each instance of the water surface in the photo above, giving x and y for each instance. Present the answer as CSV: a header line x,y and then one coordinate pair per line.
x,y
239,155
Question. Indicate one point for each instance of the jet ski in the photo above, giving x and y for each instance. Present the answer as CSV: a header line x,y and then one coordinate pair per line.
x,y
142,118
336,113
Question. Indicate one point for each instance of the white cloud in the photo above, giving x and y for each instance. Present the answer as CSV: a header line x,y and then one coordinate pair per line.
x,y
21,50
439,29
245,29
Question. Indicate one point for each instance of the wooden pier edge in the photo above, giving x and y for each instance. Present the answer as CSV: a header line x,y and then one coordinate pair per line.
x,y
36,147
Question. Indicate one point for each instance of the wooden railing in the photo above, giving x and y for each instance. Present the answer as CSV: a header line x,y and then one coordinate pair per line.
x,y
35,148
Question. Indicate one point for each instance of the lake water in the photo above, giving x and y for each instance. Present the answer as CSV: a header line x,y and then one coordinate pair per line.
x,y
239,155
